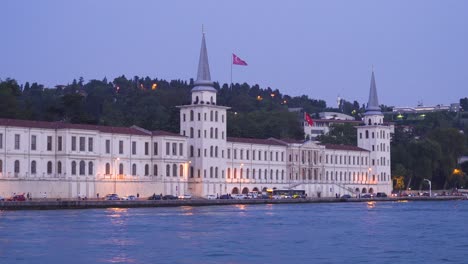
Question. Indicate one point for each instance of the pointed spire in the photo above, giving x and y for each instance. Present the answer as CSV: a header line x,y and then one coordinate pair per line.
x,y
373,107
203,81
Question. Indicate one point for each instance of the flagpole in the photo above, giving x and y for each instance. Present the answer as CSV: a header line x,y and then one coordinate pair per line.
x,y
231,73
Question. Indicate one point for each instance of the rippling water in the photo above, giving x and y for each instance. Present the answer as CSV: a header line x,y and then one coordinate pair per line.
x,y
380,232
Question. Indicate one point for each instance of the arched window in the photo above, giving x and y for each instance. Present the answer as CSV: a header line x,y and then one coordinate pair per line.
x,y
82,167
134,169
216,132
191,151
146,169
181,170
191,115
216,172
211,115
367,133
168,170
211,132
121,169
247,173
73,168
107,169
216,151
369,122
211,172
33,167
191,172
216,116
49,167
90,168
211,151
174,170
277,174
282,174
155,170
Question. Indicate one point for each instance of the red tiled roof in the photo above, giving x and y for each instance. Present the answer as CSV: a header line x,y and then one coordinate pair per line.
x,y
343,147
165,133
254,141
61,125
337,121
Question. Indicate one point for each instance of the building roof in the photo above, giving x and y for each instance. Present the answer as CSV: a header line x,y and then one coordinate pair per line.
x,y
203,82
290,140
254,141
61,125
337,121
373,107
165,133
343,147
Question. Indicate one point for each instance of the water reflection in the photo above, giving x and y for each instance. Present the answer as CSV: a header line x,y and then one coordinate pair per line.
x,y
187,210
370,205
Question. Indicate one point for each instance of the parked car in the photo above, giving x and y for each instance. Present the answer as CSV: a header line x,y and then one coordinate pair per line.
x,y
366,196
238,196
129,198
277,197
185,197
112,197
155,197
169,197
18,197
211,197
225,196
381,195
2,198
346,196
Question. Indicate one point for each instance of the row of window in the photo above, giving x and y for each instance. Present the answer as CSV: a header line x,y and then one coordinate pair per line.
x,y
175,171
379,134
273,155
354,160
261,174
213,116
312,157
213,133
356,177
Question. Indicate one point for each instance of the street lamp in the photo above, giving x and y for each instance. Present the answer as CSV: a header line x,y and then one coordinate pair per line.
x,y
430,187
115,174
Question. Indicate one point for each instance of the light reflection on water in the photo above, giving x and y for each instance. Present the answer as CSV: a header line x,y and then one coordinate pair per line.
x,y
379,232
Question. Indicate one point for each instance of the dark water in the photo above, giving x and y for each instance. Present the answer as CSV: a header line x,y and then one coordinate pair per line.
x,y
381,232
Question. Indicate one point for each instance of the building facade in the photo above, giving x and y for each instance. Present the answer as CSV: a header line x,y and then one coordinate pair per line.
x,y
61,160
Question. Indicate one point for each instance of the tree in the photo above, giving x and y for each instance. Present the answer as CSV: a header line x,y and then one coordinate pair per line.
x,y
341,134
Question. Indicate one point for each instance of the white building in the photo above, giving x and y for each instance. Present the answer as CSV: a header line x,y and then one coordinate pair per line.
x,y
68,160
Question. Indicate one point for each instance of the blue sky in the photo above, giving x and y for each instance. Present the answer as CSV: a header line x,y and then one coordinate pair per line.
x,y
323,49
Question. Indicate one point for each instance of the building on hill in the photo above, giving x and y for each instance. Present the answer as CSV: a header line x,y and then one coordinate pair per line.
x,y
69,160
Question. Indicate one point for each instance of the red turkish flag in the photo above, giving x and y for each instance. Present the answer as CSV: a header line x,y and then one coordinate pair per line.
x,y
308,119
238,61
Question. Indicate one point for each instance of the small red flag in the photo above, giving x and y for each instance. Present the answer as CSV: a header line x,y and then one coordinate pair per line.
x,y
238,61
308,119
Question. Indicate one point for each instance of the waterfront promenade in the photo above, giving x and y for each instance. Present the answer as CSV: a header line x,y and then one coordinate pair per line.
x,y
53,204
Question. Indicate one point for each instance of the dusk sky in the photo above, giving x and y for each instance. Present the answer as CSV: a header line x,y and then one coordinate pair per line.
x,y
322,49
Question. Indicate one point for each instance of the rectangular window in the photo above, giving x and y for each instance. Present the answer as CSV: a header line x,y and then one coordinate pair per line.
x,y
229,153
59,143
33,142
121,150
235,153
82,143
49,143
174,149
181,149
146,148
17,141
168,146
90,145
1,140
73,143
133,148
107,146
155,146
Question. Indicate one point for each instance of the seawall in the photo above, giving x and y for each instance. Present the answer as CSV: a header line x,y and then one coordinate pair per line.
x,y
50,204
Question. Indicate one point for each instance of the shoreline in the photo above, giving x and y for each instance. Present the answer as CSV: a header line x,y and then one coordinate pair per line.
x,y
60,204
